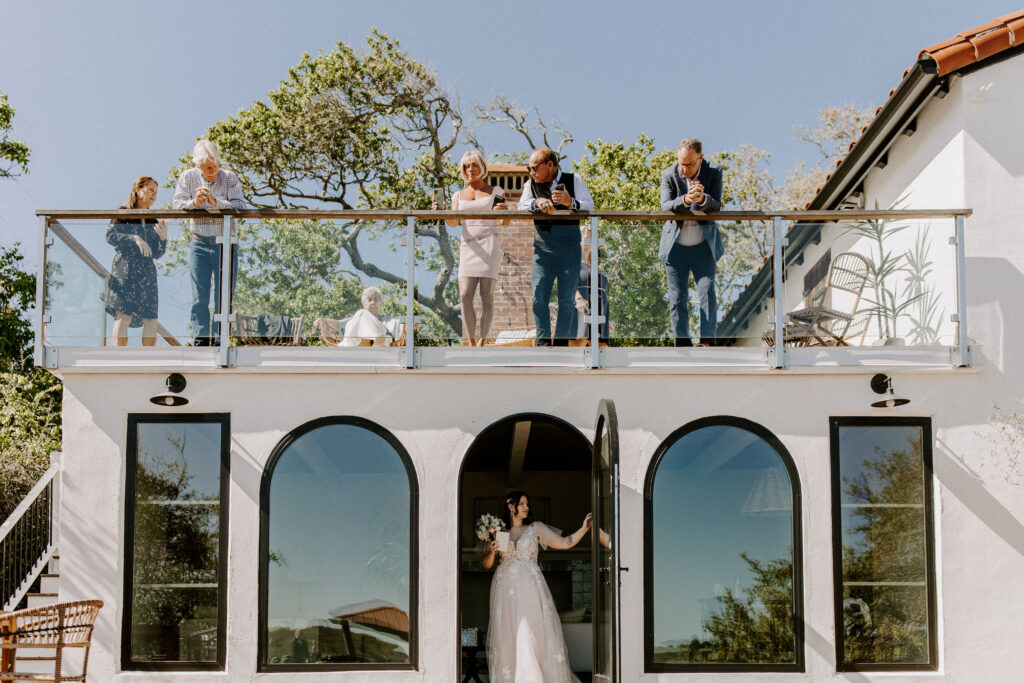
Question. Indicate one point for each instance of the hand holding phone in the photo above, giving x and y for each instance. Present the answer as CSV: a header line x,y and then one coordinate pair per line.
x,y
562,198
439,198
498,199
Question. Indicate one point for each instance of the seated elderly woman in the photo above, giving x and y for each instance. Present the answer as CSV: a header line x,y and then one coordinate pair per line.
x,y
367,324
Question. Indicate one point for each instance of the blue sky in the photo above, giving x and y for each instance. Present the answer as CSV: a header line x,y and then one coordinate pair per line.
x,y
108,91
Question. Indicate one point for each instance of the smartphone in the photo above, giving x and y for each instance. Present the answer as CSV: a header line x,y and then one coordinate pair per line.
x,y
439,197
498,199
560,187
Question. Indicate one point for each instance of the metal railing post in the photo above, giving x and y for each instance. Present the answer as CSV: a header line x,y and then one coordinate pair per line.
x,y
410,292
777,357
41,318
226,240
963,357
595,317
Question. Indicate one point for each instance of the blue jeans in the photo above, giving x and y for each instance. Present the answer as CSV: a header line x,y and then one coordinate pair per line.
x,y
681,262
562,264
204,266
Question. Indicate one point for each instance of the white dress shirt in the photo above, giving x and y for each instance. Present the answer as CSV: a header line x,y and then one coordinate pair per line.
x,y
581,202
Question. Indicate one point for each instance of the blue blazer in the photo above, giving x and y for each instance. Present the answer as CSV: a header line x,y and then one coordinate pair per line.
x,y
673,189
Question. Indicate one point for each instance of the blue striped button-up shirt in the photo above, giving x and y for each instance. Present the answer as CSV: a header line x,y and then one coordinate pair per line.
x,y
225,189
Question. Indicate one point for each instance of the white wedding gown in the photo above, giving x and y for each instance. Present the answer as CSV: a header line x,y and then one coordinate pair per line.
x,y
524,640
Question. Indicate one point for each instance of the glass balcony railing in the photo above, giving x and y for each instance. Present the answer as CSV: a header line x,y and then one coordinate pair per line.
x,y
400,280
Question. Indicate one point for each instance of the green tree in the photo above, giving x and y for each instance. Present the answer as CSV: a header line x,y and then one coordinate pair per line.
x,y
29,399
13,153
627,177
29,432
353,130
17,298
757,627
886,543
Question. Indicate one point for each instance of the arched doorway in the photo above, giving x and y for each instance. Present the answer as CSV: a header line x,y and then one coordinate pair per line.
x,y
551,460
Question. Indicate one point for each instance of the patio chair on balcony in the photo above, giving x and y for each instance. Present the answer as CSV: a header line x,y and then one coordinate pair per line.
x,y
41,630
836,321
268,330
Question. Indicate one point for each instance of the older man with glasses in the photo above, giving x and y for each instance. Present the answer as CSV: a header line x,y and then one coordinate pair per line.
x,y
690,245
207,186
556,243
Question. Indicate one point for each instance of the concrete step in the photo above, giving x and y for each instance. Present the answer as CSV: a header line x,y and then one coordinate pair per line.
x,y
49,583
54,565
41,599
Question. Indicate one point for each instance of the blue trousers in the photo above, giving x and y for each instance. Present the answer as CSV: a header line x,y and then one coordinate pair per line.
x,y
549,265
204,267
681,262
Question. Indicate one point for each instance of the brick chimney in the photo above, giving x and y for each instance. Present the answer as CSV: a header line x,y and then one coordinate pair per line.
x,y
513,295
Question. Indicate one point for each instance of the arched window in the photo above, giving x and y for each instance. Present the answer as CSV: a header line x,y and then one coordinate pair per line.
x,y
338,536
722,551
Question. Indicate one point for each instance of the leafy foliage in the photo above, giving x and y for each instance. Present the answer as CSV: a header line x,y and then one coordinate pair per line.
x,y
883,265
14,154
340,131
17,298
626,177
886,542
756,628
30,429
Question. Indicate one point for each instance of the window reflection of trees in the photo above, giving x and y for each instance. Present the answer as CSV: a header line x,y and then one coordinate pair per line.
x,y
339,549
885,600
723,503
176,554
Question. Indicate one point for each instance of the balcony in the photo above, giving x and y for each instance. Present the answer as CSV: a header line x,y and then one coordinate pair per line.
x,y
295,286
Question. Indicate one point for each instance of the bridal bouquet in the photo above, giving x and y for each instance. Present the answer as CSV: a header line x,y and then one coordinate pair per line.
x,y
487,526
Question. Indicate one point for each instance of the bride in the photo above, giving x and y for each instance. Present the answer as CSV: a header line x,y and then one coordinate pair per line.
x,y
524,640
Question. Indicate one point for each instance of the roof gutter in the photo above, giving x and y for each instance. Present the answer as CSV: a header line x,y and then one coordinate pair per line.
x,y
907,100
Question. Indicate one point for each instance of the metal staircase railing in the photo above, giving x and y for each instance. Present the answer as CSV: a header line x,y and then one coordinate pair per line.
x,y
28,539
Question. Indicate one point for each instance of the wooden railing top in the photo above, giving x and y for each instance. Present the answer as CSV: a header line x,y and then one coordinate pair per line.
x,y
428,215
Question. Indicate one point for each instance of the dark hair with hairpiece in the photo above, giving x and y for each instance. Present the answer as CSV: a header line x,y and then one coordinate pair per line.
x,y
513,499
133,197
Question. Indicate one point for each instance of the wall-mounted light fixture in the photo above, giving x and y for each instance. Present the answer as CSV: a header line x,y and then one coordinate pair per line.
x,y
175,384
882,384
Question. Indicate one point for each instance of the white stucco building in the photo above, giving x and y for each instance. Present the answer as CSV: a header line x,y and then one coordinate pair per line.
x,y
308,514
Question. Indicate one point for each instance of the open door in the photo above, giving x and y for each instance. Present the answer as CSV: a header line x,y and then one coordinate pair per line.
x,y
606,546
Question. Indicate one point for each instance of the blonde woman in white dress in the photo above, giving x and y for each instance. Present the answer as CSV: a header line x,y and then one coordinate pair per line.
x,y
480,250
525,643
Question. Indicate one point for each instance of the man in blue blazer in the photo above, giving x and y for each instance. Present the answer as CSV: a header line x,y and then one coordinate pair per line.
x,y
689,245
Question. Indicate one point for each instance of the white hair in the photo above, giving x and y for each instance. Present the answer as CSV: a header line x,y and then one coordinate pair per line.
x,y
474,155
204,149
373,290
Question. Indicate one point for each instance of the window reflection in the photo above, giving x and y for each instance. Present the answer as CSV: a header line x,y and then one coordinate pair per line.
x,y
338,578
721,554
175,613
881,487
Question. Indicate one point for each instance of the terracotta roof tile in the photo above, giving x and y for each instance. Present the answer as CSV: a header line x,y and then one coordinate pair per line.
x,y
964,49
976,44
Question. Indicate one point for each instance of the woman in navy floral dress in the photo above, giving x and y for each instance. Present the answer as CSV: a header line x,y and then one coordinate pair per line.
x,y
131,295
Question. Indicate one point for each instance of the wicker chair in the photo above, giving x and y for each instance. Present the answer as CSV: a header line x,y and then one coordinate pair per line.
x,y
39,629
824,325
268,330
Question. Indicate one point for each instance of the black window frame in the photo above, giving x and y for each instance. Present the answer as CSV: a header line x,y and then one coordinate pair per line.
x,y
799,627
925,424
131,466
262,665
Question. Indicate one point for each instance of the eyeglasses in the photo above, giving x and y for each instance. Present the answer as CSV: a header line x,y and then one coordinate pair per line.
x,y
692,163
534,167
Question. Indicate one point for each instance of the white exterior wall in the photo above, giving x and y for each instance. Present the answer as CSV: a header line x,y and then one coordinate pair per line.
x,y
967,152
437,415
